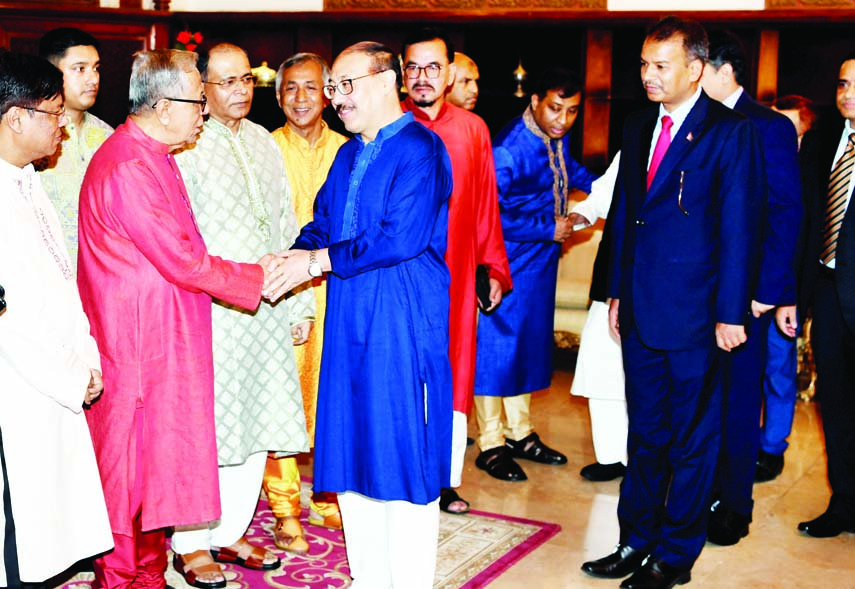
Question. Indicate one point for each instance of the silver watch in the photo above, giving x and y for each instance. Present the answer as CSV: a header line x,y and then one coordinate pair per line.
x,y
314,266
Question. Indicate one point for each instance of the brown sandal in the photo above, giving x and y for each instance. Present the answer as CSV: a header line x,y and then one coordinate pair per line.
x,y
195,564
288,535
244,554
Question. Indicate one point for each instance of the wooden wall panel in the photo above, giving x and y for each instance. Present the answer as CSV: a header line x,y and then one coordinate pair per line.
x,y
119,41
598,88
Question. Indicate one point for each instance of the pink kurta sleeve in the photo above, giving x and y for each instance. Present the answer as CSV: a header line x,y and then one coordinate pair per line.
x,y
173,247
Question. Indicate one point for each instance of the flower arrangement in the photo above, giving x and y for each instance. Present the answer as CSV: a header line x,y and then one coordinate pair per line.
x,y
188,41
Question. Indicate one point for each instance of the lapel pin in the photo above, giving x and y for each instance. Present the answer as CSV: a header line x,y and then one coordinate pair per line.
x,y
689,136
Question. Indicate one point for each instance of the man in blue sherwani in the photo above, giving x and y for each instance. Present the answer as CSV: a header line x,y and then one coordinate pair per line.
x,y
688,211
535,173
742,375
383,440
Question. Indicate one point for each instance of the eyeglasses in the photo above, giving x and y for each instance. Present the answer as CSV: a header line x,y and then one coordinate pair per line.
x,y
345,87
201,102
58,114
431,70
231,83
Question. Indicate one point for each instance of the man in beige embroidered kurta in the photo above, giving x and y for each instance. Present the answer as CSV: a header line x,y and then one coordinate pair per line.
x,y
75,54
242,201
308,147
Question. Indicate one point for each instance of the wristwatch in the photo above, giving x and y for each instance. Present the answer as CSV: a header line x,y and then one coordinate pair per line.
x,y
314,266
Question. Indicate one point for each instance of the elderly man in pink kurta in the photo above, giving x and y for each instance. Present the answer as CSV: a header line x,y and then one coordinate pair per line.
x,y
146,280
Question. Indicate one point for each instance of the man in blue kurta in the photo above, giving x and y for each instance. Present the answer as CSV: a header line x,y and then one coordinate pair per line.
x,y
384,402
534,173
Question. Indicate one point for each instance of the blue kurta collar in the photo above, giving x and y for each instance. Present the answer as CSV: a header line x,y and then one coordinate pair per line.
x,y
365,154
389,130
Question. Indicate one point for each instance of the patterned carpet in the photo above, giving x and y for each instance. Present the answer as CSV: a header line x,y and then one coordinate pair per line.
x,y
474,549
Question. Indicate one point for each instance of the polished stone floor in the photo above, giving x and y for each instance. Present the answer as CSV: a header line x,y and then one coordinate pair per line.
x,y
773,555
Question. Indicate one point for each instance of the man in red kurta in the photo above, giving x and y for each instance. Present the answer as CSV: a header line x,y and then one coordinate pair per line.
x,y
474,225
146,281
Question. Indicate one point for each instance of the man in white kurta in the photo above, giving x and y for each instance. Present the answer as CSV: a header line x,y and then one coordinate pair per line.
x,y
240,195
599,366
49,364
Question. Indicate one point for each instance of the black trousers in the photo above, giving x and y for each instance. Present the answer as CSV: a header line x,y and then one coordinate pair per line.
x,y
10,545
833,344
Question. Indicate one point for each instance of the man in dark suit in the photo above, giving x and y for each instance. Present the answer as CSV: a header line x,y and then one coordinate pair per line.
x,y
742,371
688,212
829,269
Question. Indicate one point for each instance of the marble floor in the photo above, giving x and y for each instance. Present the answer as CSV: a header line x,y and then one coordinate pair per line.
x,y
774,554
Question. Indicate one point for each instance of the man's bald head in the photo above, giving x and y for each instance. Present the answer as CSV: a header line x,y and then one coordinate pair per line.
x,y
464,91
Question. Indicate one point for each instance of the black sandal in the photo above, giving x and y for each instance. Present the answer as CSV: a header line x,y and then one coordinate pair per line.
x,y
449,496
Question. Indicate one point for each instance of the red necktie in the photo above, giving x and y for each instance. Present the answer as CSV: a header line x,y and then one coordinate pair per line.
x,y
661,147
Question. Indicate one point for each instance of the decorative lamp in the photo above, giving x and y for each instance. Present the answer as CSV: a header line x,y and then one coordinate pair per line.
x,y
266,76
520,75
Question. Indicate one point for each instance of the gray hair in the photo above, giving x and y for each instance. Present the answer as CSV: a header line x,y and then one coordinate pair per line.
x,y
157,74
299,59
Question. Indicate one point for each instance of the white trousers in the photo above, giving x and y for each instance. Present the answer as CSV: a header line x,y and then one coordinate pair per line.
x,y
458,446
240,486
390,544
608,429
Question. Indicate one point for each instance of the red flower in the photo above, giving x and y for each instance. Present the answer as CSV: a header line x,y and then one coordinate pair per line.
x,y
184,37
197,37
191,46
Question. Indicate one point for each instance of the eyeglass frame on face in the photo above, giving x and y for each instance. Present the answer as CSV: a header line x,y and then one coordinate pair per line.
x,y
202,102
230,84
59,114
331,89
427,69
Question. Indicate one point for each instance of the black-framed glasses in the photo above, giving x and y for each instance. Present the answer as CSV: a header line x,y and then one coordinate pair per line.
x,y
58,114
431,70
2,298
231,83
345,87
201,102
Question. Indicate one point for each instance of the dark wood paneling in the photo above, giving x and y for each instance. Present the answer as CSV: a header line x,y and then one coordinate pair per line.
x,y
497,34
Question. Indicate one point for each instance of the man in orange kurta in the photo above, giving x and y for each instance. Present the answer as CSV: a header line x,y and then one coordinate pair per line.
x,y
146,281
474,224
309,147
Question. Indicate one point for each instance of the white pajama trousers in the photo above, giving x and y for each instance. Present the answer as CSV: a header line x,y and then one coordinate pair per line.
x,y
608,429
390,544
240,486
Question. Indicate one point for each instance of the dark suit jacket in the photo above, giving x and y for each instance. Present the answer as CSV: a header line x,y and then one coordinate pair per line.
x,y
686,252
776,284
822,146
814,197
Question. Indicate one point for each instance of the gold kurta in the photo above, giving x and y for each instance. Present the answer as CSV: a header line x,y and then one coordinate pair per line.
x,y
307,168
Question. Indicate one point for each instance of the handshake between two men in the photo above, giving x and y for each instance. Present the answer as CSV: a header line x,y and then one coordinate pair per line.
x,y
289,269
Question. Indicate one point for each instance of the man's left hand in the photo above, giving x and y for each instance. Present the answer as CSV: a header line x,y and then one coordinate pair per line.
x,y
786,319
300,332
729,336
758,308
495,295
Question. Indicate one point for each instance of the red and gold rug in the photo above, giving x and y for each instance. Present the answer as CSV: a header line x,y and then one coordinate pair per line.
x,y
474,549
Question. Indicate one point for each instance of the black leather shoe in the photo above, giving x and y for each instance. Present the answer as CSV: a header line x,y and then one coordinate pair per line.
x,y
726,527
499,464
531,448
603,472
657,574
624,561
769,466
828,525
